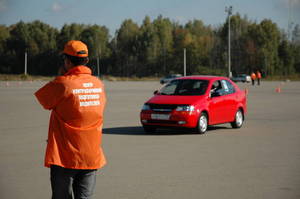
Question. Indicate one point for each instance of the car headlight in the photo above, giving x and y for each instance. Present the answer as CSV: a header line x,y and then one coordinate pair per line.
x,y
185,108
146,107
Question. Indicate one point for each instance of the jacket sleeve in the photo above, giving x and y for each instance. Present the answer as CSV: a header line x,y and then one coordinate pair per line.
x,y
50,94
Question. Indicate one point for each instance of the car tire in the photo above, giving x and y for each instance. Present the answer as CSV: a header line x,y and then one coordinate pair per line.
x,y
238,119
202,123
149,129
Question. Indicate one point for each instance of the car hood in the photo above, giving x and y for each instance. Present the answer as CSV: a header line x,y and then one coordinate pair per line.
x,y
175,99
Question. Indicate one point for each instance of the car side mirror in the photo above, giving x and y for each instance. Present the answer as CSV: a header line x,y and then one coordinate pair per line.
x,y
155,92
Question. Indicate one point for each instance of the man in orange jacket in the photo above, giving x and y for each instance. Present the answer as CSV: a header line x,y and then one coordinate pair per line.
x,y
253,77
76,100
258,76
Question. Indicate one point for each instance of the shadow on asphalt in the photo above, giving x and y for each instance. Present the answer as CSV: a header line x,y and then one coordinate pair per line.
x,y
139,131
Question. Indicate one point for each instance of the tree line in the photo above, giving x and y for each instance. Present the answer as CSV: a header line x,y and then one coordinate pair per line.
x,y
155,48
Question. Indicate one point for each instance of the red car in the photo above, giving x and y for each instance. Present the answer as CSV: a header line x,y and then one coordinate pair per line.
x,y
195,102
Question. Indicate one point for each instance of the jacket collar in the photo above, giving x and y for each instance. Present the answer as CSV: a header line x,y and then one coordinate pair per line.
x,y
79,70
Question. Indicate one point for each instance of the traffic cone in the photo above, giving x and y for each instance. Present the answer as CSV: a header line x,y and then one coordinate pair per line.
x,y
278,89
246,91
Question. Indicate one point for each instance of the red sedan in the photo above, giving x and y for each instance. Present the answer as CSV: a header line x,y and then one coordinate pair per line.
x,y
195,102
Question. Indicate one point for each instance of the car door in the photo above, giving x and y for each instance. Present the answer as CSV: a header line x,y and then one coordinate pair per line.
x,y
229,101
216,101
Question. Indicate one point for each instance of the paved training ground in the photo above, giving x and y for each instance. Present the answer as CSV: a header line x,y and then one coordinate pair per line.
x,y
259,161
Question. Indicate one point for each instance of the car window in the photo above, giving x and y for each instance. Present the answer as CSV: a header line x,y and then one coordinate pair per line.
x,y
217,88
222,87
169,89
228,87
217,85
185,87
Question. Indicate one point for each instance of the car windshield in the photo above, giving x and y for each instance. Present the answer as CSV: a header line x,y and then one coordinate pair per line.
x,y
185,87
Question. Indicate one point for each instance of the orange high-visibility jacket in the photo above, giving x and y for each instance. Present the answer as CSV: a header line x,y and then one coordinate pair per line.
x,y
258,75
77,100
253,76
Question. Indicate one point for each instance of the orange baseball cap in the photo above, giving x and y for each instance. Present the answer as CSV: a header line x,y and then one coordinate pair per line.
x,y
76,48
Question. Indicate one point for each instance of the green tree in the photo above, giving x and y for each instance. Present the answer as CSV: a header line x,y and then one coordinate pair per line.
x,y
268,40
199,43
239,41
155,47
69,32
146,48
4,35
127,48
97,39
296,35
4,55
163,43
18,44
296,47
285,53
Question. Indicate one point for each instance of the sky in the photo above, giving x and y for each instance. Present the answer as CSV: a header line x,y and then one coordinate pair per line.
x,y
111,13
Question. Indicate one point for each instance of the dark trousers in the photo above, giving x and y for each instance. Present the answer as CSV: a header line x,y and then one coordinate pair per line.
x,y
66,183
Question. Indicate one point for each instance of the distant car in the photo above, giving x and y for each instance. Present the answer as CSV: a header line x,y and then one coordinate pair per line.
x,y
195,102
241,78
169,78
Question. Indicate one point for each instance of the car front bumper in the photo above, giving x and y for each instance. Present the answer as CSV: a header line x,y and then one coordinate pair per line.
x,y
173,119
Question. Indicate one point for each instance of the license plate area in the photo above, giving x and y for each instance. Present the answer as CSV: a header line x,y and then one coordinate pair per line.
x,y
155,116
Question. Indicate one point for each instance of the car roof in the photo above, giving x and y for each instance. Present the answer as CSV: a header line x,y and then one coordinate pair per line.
x,y
203,77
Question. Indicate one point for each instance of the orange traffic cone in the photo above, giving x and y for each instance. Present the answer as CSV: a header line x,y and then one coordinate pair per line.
x,y
246,91
278,90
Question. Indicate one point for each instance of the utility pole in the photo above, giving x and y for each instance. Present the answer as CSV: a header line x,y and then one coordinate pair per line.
x,y
25,64
290,21
98,68
98,62
184,62
229,11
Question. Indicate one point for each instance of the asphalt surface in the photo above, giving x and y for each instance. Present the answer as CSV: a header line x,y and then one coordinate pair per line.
x,y
259,161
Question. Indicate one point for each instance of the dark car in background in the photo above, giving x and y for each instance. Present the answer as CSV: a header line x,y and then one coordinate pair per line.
x,y
241,78
169,78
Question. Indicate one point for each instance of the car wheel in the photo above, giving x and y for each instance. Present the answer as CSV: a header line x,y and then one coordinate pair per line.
x,y
238,120
202,123
149,129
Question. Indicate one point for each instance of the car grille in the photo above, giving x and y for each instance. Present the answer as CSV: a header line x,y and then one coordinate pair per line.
x,y
163,107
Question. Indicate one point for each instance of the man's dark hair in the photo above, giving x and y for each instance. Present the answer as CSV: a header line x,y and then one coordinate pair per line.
x,y
77,60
